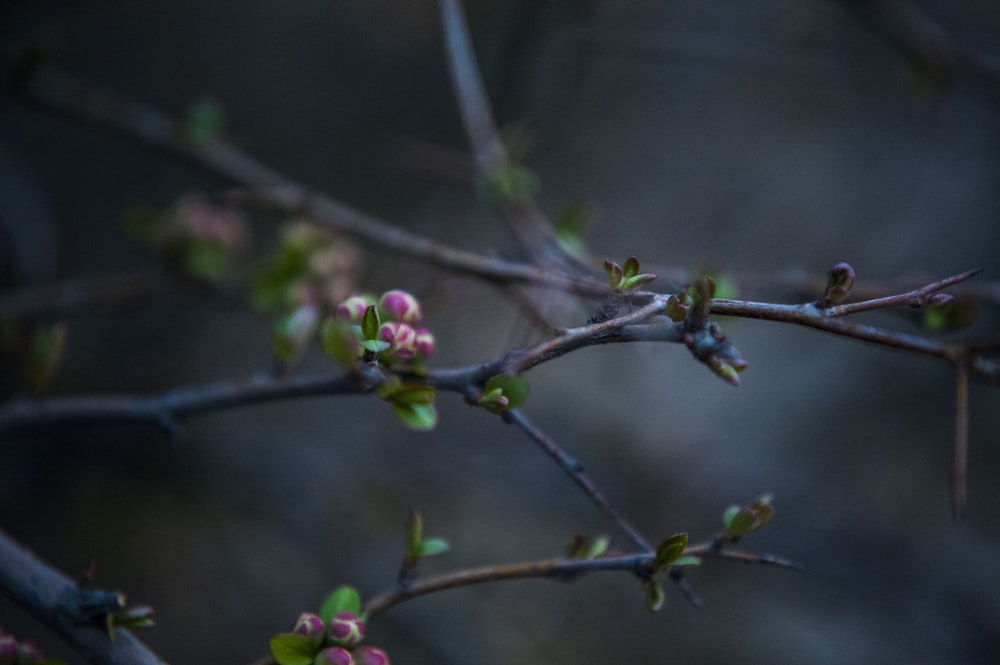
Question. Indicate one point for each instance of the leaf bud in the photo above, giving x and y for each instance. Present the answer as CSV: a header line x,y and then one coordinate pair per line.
x,y
400,306
370,656
334,656
346,629
353,309
310,625
401,338
839,285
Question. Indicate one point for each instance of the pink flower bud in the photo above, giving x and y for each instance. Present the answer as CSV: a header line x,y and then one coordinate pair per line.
x,y
353,309
424,342
311,626
400,306
370,656
334,656
346,629
401,337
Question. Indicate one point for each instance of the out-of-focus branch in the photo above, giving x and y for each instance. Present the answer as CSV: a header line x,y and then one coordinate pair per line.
x,y
79,295
930,46
60,603
61,91
526,220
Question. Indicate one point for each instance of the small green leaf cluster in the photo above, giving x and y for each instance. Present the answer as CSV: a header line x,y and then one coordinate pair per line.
x,y
627,278
503,392
13,652
738,521
669,554
508,183
131,618
418,547
198,238
330,637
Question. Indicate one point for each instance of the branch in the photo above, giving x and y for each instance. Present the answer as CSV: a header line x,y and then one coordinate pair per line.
x,y
166,408
574,469
526,220
58,602
931,46
641,565
828,319
261,183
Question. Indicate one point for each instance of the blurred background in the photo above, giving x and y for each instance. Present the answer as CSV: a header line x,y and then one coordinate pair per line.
x,y
762,140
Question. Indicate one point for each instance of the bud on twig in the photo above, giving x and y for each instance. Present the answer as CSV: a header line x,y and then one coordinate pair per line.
x,y
334,656
370,656
346,629
838,286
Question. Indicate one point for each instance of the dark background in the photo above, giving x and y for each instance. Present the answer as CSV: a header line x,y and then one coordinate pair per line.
x,y
758,138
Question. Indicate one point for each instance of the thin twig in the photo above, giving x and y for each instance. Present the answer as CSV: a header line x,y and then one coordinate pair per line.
x,y
915,298
640,565
574,469
57,601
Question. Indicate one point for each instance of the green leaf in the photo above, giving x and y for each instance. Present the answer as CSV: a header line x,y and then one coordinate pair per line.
x,y
341,599
687,560
432,546
375,345
370,325
514,387
670,550
637,281
418,417
292,649
654,596
631,267
614,273
741,522
340,342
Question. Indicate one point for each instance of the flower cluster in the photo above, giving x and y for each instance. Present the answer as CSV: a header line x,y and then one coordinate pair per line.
x,y
388,326
333,642
13,652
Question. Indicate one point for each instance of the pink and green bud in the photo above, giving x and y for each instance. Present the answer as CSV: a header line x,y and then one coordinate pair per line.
x,y
353,309
346,629
310,625
334,656
424,342
402,339
370,656
400,306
